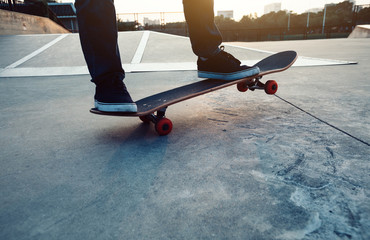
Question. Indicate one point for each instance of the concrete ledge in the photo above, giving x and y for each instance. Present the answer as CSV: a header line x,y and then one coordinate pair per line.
x,y
13,23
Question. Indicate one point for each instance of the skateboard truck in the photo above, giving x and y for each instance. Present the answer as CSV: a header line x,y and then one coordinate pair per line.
x,y
163,125
270,86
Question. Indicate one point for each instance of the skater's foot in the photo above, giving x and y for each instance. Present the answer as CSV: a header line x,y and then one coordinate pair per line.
x,y
112,96
224,66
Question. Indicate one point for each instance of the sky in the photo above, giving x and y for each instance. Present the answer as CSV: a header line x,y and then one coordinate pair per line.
x,y
240,7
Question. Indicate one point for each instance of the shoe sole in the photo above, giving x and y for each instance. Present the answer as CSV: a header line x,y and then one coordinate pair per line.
x,y
230,76
116,107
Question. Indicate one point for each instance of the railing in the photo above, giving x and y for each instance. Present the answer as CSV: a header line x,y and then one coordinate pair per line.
x,y
278,34
264,34
9,5
174,23
152,18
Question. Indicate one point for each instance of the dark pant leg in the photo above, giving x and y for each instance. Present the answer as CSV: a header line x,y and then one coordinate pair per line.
x,y
98,36
204,35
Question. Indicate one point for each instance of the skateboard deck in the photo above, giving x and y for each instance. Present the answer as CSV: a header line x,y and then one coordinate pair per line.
x,y
159,102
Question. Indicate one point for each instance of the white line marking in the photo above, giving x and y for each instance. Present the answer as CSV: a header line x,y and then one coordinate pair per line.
x,y
148,67
141,48
170,35
247,48
44,71
35,53
224,43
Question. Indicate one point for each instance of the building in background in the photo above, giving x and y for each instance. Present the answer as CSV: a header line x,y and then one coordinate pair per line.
x,y
226,14
313,10
149,22
66,13
273,7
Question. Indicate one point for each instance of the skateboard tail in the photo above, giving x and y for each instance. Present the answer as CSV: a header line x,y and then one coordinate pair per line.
x,y
277,62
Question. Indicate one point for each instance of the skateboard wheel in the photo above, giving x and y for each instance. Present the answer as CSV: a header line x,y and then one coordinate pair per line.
x,y
163,126
144,119
271,87
242,87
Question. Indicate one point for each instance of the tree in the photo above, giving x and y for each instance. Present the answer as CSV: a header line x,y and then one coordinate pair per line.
x,y
273,20
363,16
248,21
225,23
339,14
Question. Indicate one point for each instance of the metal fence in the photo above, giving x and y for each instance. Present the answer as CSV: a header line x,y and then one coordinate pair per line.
x,y
278,34
152,18
174,23
263,34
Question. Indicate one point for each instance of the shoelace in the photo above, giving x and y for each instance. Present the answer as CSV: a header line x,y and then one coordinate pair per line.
x,y
229,56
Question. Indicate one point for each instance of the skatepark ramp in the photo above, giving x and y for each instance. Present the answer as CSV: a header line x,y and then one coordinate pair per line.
x,y
360,31
14,23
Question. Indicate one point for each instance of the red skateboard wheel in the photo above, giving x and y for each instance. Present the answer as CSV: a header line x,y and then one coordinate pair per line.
x,y
242,87
163,126
271,87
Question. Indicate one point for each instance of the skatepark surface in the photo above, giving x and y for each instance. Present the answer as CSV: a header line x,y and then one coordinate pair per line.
x,y
294,165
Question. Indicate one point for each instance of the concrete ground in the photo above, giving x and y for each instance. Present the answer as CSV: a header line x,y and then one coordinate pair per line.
x,y
236,165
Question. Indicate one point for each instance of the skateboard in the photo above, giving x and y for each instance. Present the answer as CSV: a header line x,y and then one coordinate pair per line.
x,y
153,108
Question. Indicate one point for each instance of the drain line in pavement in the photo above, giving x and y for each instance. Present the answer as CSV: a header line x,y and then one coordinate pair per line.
x,y
325,122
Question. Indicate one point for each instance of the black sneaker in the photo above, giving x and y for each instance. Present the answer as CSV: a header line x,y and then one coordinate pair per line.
x,y
112,96
224,66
